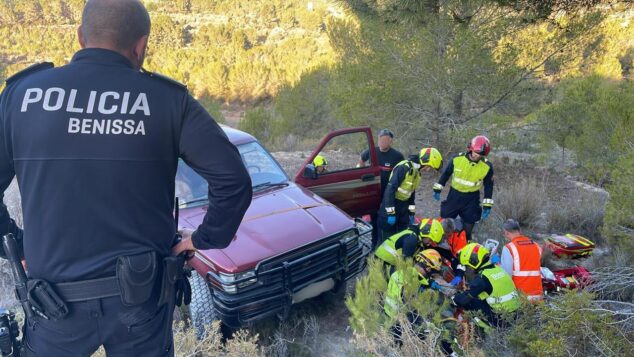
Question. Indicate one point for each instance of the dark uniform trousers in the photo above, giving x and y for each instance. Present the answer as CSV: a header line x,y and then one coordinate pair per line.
x,y
143,330
465,205
401,209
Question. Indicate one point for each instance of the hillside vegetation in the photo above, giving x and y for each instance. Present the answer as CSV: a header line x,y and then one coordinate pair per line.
x,y
547,79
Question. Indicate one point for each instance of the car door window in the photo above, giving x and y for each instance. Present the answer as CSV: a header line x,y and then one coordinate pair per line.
x,y
341,153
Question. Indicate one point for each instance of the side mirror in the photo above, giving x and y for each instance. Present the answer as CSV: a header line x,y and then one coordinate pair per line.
x,y
309,172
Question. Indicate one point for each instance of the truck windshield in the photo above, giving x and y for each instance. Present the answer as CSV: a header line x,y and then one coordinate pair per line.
x,y
191,188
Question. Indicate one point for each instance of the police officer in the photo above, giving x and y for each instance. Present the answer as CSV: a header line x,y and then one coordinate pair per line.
x,y
398,206
94,146
471,171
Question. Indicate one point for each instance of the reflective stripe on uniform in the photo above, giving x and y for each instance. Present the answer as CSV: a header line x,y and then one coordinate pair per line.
x,y
390,250
412,208
404,191
487,201
516,257
465,182
527,273
535,297
438,186
502,299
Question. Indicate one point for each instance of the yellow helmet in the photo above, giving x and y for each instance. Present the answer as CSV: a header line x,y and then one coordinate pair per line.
x,y
319,160
430,157
473,255
430,257
432,229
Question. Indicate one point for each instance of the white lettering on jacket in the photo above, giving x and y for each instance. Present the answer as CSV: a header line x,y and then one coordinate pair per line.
x,y
106,103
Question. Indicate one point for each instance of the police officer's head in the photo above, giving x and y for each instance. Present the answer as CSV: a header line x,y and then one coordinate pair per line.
x,y
119,25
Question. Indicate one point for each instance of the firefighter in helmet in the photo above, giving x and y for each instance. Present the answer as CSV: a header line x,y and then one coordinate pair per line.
x,y
398,205
471,171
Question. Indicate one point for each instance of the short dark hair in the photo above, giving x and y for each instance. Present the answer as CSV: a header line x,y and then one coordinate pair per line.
x,y
386,132
511,225
118,22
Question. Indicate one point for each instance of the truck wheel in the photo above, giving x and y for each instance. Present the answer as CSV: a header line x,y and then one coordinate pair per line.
x,y
201,308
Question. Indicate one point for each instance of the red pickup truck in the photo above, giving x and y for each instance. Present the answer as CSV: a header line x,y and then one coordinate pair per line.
x,y
297,240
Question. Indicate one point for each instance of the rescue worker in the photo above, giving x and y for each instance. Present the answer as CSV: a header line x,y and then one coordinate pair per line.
x,y
427,262
408,242
453,240
491,291
321,164
398,206
388,158
471,171
521,258
94,146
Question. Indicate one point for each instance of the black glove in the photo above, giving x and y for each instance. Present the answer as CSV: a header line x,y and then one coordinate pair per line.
x,y
184,289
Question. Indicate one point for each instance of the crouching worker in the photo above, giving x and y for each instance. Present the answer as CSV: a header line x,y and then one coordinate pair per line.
x,y
427,262
491,291
408,242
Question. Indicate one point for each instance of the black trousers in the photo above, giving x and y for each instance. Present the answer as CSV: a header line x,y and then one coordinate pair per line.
x,y
143,330
465,205
401,209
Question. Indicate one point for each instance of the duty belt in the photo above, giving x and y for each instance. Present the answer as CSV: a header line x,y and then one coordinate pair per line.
x,y
88,289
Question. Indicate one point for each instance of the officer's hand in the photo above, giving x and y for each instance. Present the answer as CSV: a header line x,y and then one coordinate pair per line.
x,y
486,211
437,196
434,285
391,220
185,245
411,219
456,281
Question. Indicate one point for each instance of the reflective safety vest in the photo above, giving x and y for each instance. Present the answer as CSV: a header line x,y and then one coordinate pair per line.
x,y
410,182
393,300
387,251
504,297
527,274
468,176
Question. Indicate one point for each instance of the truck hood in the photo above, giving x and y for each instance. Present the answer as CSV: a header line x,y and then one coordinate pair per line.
x,y
277,221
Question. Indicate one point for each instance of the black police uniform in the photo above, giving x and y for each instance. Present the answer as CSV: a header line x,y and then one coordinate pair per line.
x,y
94,146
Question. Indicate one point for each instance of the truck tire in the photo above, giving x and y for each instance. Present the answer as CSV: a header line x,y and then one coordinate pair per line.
x,y
201,308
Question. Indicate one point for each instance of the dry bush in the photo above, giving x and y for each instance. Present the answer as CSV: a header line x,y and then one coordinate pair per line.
x,y
584,216
523,200
186,343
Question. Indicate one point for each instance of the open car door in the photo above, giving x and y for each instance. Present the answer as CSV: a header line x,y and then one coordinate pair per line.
x,y
339,175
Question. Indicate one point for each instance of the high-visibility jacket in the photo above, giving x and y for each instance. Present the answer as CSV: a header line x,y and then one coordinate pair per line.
x,y
527,274
409,183
504,297
387,251
468,176
393,300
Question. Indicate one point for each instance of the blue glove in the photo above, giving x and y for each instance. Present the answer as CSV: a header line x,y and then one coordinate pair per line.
x,y
411,219
437,196
434,285
495,259
486,211
391,220
456,281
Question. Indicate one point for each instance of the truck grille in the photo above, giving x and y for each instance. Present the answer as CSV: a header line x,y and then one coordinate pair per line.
x,y
339,257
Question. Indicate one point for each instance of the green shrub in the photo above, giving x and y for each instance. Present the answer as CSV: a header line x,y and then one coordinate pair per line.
x,y
570,324
257,122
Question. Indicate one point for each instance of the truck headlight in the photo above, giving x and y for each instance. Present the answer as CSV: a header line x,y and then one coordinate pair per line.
x,y
230,283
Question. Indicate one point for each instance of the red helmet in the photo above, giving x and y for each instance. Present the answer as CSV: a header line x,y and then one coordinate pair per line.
x,y
480,145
